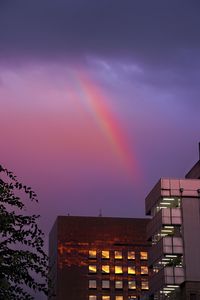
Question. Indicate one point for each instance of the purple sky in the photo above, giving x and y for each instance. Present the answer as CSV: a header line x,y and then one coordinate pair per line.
x,y
142,56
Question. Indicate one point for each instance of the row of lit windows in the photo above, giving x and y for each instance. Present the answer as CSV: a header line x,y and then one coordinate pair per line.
x,y
119,284
107,297
105,254
118,269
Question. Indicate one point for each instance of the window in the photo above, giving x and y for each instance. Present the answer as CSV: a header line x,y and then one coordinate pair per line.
x,y
118,270
144,270
92,253
144,285
118,297
105,297
92,268
105,269
105,254
105,284
131,254
143,255
132,297
119,284
193,297
92,297
118,254
131,270
132,285
92,284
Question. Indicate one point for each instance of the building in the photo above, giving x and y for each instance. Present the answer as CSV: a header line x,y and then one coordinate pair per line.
x,y
174,232
98,258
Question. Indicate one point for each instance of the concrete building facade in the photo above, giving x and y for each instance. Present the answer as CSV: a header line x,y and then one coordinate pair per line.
x,y
174,233
99,258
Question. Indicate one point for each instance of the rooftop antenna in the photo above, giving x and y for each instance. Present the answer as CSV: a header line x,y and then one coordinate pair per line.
x,y
199,150
100,213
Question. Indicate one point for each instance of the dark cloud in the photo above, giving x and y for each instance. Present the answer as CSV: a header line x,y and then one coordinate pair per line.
x,y
161,36
146,30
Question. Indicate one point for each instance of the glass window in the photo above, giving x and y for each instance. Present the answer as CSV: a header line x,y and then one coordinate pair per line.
x,y
105,254
92,268
143,255
118,254
92,297
119,284
92,284
118,270
145,285
105,297
105,284
92,253
118,297
131,270
131,254
132,285
105,269
132,297
144,270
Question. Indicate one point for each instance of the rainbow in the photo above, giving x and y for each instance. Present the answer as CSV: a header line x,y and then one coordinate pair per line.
x,y
95,100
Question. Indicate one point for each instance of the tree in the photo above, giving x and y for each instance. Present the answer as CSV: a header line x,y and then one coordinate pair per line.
x,y
23,262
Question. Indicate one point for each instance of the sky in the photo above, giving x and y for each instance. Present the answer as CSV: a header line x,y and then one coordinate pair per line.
x,y
98,100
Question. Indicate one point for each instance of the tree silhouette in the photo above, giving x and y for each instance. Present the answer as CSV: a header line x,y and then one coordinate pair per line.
x,y
23,262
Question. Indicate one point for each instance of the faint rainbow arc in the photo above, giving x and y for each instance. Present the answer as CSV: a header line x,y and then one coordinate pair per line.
x,y
96,102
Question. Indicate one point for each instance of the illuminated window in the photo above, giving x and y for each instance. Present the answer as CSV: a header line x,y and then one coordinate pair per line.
x,y
119,284
92,253
131,270
132,297
92,284
92,269
105,254
105,284
105,297
132,285
118,297
118,254
131,254
92,297
105,269
144,270
118,269
143,255
145,285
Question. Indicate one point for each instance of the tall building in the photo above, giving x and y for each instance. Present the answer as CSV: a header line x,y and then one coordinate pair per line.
x,y
174,232
99,258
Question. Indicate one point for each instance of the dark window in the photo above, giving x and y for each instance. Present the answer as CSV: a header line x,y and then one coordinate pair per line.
x,y
193,297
